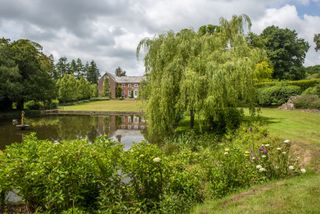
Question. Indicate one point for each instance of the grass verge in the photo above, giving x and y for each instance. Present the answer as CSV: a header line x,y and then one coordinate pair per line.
x,y
295,195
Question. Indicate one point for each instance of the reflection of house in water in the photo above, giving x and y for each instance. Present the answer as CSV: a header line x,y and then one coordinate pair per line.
x,y
126,128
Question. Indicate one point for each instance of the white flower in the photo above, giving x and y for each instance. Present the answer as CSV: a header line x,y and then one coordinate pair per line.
x,y
263,156
267,145
226,149
226,153
262,169
286,141
253,158
284,153
156,160
258,166
291,167
303,170
262,145
279,149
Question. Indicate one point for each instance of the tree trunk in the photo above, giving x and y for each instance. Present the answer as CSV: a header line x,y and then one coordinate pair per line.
x,y
20,104
191,119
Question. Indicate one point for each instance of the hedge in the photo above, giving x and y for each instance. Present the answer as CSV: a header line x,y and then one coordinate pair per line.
x,y
277,95
303,84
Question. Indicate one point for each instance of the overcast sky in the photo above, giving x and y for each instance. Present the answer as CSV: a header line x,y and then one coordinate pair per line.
x,y
108,31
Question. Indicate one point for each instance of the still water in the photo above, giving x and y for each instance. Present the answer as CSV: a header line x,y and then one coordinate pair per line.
x,y
127,129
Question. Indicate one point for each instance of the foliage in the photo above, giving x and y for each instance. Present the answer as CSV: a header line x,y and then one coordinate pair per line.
x,y
285,50
25,73
277,95
119,91
101,176
303,84
210,73
312,90
307,102
313,72
92,73
57,177
119,72
106,87
89,71
72,89
33,105
263,71
316,40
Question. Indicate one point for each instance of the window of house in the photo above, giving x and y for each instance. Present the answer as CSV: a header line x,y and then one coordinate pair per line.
x,y
135,85
135,93
135,119
129,85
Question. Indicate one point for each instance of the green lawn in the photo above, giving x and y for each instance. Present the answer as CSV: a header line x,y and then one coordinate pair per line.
x,y
107,105
295,125
295,195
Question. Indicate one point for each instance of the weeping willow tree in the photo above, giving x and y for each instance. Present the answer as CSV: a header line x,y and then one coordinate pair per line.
x,y
209,74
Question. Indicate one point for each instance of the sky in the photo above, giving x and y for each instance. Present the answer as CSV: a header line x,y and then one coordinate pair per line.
x,y
108,31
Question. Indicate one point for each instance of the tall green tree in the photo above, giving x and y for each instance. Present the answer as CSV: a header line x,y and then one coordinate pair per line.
x,y
62,67
67,87
316,40
79,72
10,84
285,50
35,68
93,73
209,73
120,72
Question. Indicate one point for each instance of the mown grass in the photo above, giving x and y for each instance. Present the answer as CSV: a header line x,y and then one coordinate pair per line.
x,y
296,125
295,195
108,105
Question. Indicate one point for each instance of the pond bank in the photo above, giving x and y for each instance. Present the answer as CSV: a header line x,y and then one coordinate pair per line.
x,y
69,112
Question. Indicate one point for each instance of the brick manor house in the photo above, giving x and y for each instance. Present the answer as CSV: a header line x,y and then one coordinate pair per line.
x,y
129,85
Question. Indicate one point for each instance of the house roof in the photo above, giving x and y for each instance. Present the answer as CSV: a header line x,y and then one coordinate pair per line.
x,y
126,79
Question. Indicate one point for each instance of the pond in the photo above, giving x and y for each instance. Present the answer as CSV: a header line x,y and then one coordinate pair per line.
x,y
127,129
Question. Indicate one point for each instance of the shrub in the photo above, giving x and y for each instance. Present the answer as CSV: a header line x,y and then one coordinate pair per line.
x,y
307,102
312,90
80,177
33,105
276,95
303,84
60,176
53,104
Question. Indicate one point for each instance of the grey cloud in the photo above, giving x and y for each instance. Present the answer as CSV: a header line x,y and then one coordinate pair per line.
x,y
109,30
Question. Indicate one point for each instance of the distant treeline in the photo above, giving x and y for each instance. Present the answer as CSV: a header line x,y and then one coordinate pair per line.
x,y
27,74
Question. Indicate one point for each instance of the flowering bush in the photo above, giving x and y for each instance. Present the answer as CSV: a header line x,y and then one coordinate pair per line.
x,y
80,176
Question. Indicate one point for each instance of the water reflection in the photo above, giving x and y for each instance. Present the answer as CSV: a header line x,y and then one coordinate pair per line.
x,y
124,128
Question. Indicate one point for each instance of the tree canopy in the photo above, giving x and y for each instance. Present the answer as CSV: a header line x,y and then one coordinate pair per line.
x,y
316,40
285,50
25,73
120,72
89,71
209,74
